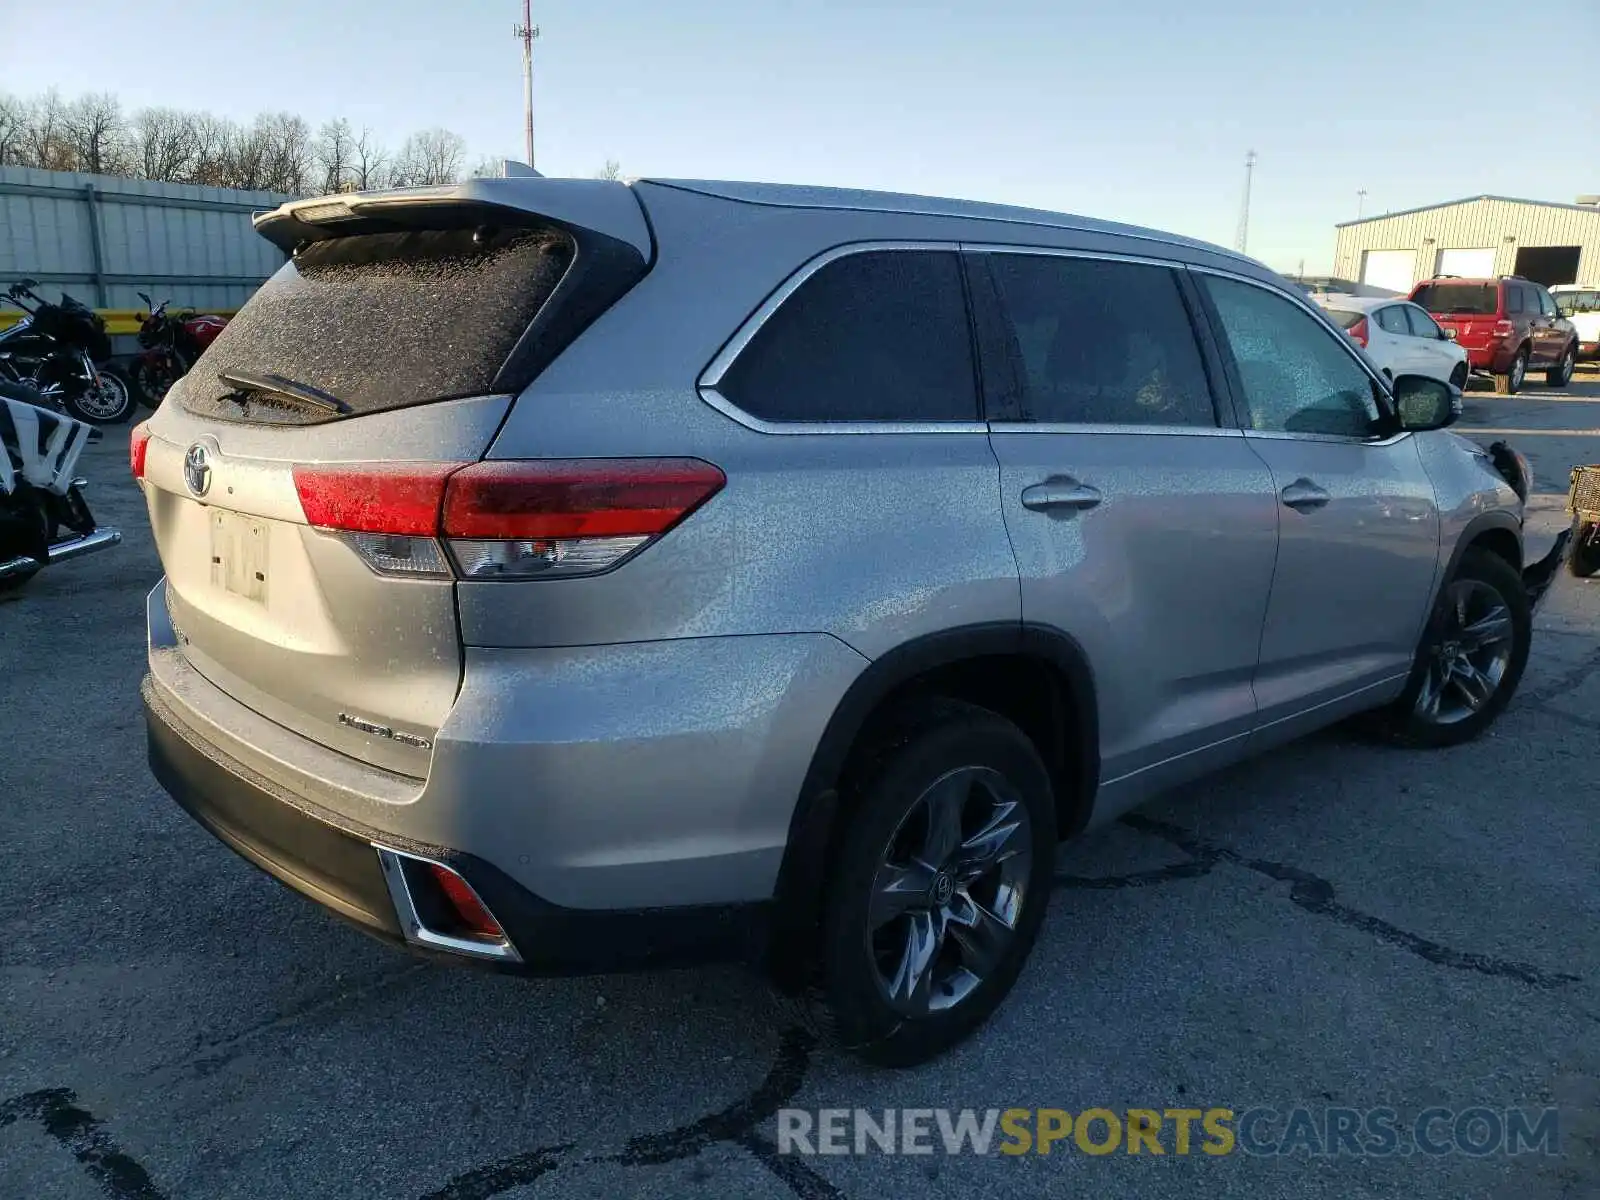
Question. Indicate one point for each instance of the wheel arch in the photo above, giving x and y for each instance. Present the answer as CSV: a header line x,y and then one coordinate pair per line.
x,y
1497,532
1037,672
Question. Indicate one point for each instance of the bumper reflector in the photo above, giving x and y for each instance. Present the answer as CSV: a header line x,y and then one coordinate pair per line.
x,y
440,910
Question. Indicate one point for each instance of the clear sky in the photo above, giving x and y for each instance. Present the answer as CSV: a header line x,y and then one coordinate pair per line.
x,y
1138,111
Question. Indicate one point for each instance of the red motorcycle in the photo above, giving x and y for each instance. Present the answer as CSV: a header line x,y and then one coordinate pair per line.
x,y
171,344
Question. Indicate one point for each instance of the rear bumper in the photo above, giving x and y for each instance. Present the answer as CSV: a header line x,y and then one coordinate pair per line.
x,y
1496,359
333,861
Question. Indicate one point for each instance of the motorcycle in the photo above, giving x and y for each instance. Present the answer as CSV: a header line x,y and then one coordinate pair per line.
x,y
44,518
171,345
60,352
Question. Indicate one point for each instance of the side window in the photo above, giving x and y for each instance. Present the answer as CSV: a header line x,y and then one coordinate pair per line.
x,y
1514,298
875,336
1295,375
1422,325
1546,305
1393,320
1099,342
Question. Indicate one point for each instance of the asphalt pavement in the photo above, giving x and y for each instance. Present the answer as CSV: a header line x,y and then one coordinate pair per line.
x,y
1336,925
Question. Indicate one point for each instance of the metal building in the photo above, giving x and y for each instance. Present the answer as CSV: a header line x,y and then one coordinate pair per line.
x,y
1482,236
104,238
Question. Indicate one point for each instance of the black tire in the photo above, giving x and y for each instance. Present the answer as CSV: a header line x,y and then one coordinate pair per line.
x,y
1406,721
1584,559
119,400
887,790
1560,375
148,391
1511,383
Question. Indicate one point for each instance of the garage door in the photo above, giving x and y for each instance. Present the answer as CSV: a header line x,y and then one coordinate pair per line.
x,y
1392,270
1469,264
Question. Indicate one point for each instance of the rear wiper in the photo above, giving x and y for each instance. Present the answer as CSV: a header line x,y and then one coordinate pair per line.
x,y
287,389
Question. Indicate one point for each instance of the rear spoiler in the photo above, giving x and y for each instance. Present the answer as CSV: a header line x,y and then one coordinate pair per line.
x,y
582,206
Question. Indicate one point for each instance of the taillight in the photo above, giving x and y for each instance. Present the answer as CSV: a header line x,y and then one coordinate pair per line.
x,y
1358,333
1504,329
504,520
138,445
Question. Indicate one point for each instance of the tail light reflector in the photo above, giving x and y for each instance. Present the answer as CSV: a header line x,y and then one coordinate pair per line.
x,y
475,919
1358,333
1504,329
507,520
138,446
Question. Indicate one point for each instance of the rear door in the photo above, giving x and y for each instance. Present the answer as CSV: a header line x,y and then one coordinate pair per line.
x,y
1143,525
294,477
1399,353
1550,331
1436,355
1359,526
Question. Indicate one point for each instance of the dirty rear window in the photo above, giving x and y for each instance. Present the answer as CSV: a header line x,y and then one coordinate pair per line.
x,y
385,320
1475,299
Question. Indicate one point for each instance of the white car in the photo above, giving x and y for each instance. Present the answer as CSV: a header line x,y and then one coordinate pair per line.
x,y
1400,337
1580,304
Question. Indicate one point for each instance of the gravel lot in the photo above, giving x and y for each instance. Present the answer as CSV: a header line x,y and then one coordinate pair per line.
x,y
1334,924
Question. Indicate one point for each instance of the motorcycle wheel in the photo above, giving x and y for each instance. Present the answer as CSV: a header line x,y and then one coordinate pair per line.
x,y
111,402
24,527
150,387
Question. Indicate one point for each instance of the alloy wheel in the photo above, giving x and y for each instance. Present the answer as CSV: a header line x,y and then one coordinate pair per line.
x,y
107,399
949,891
1519,371
1469,657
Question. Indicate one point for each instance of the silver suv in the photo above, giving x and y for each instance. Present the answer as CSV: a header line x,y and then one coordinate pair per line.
x,y
565,575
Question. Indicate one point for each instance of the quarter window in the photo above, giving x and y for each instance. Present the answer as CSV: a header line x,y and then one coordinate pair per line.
x,y
876,336
1295,375
1098,342
1514,302
1393,320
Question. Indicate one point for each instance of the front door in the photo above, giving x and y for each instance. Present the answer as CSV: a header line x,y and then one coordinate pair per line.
x,y
1359,525
1143,528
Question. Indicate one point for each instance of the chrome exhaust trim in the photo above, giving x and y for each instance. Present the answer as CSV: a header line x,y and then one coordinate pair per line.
x,y
411,923
17,566
100,539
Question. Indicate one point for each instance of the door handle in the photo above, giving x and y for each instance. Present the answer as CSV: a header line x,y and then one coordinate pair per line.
x,y
1060,492
1303,495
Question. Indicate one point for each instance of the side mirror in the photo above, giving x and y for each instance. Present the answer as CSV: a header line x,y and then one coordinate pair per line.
x,y
1424,403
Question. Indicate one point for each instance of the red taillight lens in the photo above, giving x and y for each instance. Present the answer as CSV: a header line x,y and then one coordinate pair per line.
x,y
576,498
138,445
476,920
1504,329
398,498
515,519
1358,333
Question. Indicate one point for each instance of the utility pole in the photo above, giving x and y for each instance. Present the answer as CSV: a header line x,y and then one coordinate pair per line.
x,y
527,32
1361,203
1243,240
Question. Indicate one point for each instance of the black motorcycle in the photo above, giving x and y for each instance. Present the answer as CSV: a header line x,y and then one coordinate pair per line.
x,y
44,518
60,351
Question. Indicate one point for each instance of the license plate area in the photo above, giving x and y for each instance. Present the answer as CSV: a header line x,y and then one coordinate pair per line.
x,y
239,555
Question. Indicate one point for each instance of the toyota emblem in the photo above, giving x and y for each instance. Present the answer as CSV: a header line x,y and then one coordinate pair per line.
x,y
197,469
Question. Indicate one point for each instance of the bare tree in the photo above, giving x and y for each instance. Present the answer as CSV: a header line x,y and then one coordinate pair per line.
x,y
44,140
612,170
429,157
489,167
166,143
369,163
214,139
13,126
97,132
334,150
286,152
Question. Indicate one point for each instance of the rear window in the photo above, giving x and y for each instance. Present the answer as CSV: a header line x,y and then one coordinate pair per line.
x,y
875,336
1345,318
1476,299
386,320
